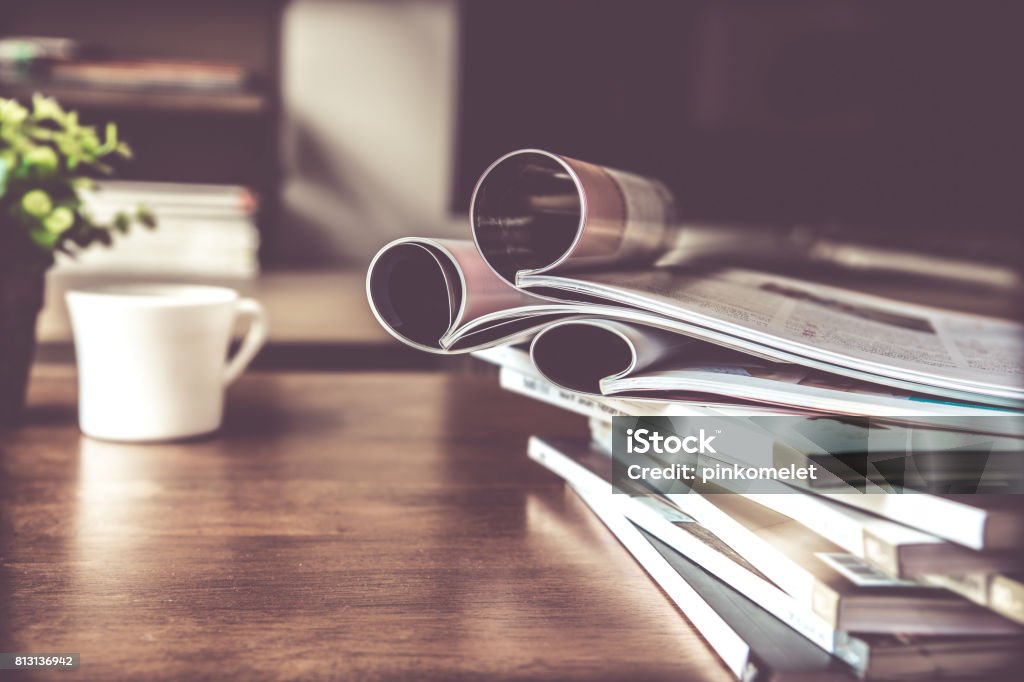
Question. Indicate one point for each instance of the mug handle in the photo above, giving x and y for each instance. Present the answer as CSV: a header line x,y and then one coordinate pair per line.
x,y
253,341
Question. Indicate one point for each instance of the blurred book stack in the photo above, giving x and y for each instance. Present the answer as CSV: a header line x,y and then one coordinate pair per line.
x,y
203,231
91,76
64,63
207,228
27,57
22,58
901,560
149,74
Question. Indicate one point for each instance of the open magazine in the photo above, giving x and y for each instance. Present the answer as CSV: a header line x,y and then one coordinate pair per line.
x,y
440,296
552,251
634,362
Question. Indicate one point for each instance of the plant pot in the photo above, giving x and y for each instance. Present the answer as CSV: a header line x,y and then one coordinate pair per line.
x,y
21,298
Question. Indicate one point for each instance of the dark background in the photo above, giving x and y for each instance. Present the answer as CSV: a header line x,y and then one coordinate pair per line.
x,y
890,121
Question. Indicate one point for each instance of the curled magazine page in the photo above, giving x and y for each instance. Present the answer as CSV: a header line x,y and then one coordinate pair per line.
x,y
535,212
439,296
421,289
541,212
868,337
579,354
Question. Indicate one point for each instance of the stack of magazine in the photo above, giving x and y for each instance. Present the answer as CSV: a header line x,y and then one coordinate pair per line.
x,y
901,559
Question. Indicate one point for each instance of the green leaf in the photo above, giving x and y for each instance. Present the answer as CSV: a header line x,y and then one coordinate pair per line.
x,y
37,203
59,220
89,142
43,238
12,113
46,108
42,161
110,143
45,157
122,222
82,184
145,216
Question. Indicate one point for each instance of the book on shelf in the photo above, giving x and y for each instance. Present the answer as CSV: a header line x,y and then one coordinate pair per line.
x,y
63,63
174,198
23,58
149,75
26,48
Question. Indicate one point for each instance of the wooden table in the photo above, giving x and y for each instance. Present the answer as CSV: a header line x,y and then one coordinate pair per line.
x,y
343,526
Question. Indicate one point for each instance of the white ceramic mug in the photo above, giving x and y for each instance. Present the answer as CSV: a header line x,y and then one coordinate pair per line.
x,y
152,357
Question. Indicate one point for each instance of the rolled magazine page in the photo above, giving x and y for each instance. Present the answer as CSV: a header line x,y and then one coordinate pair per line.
x,y
579,354
538,212
421,289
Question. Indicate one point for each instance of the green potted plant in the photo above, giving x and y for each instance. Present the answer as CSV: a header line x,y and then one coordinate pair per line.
x,y
47,159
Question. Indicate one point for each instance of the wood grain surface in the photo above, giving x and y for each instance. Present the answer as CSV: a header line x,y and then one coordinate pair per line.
x,y
342,526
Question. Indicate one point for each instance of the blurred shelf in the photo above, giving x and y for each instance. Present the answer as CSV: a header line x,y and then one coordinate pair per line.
x,y
243,103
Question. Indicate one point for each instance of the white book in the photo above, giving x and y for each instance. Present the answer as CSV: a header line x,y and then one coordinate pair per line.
x,y
171,193
534,386
823,590
729,646
654,517
976,521
772,652
900,551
